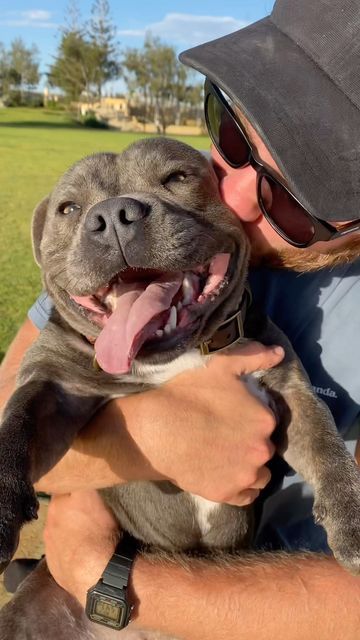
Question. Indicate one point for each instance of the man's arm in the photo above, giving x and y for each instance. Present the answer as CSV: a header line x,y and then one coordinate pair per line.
x,y
357,452
10,365
262,596
203,430
284,597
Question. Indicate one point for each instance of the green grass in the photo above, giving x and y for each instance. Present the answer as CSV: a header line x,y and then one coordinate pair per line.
x,y
36,146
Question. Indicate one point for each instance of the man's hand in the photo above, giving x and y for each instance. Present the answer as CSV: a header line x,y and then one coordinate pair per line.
x,y
206,432
80,537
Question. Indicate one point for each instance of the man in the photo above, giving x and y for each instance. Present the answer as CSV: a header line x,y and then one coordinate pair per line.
x,y
294,80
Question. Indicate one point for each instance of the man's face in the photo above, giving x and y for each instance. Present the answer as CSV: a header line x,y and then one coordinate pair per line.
x,y
238,190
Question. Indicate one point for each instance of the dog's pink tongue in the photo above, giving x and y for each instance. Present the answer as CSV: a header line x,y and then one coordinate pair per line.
x,y
136,317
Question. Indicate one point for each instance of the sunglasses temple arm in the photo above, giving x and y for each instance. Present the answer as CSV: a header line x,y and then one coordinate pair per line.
x,y
344,232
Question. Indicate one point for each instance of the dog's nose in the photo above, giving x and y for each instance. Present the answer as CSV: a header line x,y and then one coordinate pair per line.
x,y
132,210
111,215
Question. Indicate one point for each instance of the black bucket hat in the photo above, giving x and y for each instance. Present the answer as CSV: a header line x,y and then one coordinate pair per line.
x,y
296,76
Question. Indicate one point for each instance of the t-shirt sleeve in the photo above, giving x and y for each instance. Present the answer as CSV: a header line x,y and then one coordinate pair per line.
x,y
40,312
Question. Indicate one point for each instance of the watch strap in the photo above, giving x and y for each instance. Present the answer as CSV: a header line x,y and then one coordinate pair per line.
x,y
117,571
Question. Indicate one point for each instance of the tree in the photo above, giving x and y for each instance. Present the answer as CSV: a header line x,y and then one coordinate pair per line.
x,y
152,70
161,62
162,81
4,70
137,77
86,56
180,88
194,99
23,66
72,69
102,40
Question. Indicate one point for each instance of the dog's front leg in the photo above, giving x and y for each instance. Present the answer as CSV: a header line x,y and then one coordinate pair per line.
x,y
39,424
312,446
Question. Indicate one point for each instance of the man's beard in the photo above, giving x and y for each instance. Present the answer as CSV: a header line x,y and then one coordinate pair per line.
x,y
303,260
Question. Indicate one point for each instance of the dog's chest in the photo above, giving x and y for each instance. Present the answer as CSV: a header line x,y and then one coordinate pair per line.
x,y
160,374
205,510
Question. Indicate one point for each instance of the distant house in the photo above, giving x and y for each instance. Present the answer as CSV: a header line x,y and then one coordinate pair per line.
x,y
50,96
109,108
119,105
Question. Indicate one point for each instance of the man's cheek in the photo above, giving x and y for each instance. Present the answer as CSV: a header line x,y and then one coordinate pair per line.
x,y
238,190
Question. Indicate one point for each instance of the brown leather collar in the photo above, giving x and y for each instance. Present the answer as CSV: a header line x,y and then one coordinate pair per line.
x,y
231,330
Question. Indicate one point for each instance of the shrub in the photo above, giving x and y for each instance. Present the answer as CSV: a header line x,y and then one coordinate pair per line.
x,y
16,98
90,120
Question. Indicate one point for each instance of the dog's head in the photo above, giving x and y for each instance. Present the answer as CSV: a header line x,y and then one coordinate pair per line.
x,y
138,251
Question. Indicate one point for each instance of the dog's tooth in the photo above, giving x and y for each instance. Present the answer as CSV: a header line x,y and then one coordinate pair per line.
x,y
187,290
111,300
159,333
171,323
173,317
179,306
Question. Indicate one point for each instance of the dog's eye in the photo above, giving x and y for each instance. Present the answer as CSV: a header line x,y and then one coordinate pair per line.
x,y
69,207
175,176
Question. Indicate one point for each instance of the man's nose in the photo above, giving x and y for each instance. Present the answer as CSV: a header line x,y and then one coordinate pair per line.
x,y
238,188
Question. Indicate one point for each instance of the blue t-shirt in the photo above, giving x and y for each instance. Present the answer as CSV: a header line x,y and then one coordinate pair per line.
x,y
318,312
40,312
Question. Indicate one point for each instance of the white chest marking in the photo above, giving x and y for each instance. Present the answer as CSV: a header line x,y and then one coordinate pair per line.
x,y
204,509
251,381
157,374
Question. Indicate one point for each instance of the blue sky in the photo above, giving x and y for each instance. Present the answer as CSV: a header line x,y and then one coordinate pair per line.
x,y
182,23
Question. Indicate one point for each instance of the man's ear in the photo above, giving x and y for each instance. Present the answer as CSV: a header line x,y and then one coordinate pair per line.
x,y
38,222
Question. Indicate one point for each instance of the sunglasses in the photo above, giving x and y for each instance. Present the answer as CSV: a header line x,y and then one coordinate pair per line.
x,y
280,207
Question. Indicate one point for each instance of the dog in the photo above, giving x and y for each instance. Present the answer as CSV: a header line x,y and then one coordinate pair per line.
x,y
147,269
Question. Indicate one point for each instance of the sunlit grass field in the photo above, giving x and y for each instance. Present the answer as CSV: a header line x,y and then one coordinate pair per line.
x,y
36,146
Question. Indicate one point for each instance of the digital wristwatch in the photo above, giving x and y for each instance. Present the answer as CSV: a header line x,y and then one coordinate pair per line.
x,y
107,602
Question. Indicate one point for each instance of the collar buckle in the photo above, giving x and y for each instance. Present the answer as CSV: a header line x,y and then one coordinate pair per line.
x,y
230,331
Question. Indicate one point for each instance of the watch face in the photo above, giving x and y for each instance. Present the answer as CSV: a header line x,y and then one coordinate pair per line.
x,y
107,610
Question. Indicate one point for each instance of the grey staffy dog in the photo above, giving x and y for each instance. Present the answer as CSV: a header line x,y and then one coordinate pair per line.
x,y
147,269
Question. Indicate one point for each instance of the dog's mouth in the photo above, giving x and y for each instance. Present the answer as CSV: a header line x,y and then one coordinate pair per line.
x,y
149,309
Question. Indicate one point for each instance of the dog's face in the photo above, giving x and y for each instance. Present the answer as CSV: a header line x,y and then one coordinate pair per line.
x,y
138,251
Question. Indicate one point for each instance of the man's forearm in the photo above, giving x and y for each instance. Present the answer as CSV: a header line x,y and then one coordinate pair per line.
x,y
11,363
103,440
253,596
283,597
104,453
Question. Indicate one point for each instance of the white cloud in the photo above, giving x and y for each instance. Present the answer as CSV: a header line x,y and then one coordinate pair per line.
x,y
187,29
35,18
132,32
36,14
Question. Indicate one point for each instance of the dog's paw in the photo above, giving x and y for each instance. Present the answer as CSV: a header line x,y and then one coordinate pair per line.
x,y
341,520
18,504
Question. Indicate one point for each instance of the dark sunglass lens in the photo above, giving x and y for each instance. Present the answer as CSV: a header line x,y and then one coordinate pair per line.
x,y
226,135
285,212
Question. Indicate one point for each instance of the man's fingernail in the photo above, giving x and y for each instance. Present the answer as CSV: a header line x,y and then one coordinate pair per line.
x,y
278,350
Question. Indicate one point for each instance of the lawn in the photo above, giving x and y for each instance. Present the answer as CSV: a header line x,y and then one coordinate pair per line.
x,y
36,146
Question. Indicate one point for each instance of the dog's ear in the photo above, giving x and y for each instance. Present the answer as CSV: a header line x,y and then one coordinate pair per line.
x,y
38,222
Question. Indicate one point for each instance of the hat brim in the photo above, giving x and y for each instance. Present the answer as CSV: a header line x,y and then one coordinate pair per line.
x,y
309,125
